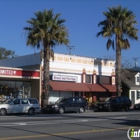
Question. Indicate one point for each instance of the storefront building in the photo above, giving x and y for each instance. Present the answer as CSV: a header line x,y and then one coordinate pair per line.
x,y
70,75
15,82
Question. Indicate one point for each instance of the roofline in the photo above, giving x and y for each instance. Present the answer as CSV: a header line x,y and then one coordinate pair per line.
x,y
11,68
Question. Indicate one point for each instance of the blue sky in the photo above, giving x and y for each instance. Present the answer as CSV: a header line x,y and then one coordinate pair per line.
x,y
82,18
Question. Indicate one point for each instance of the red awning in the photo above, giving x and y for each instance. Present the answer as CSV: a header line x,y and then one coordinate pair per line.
x,y
96,88
110,88
68,86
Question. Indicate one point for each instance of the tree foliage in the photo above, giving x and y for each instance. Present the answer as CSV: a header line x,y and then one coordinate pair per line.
x,y
118,26
5,53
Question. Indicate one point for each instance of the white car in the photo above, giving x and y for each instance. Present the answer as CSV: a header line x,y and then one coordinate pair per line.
x,y
29,106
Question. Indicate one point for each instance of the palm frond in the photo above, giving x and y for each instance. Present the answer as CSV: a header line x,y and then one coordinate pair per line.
x,y
127,42
108,44
118,22
46,28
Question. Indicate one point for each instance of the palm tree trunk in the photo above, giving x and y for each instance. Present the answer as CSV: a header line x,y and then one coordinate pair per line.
x,y
46,74
118,67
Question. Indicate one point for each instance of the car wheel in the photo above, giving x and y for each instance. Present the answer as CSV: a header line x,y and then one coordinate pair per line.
x,y
81,110
110,108
61,110
3,112
126,108
31,111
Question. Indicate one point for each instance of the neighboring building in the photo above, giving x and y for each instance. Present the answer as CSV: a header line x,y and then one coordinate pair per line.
x,y
17,82
70,75
131,84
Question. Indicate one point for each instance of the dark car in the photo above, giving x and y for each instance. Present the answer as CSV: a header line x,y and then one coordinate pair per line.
x,y
113,103
67,104
137,106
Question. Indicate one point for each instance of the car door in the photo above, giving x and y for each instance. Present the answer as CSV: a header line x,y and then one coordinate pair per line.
x,y
68,104
118,104
82,102
123,101
15,106
114,103
75,104
24,105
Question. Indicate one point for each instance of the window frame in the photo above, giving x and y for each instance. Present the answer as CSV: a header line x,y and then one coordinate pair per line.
x,y
88,79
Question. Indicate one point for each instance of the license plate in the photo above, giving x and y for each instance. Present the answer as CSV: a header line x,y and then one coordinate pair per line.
x,y
100,106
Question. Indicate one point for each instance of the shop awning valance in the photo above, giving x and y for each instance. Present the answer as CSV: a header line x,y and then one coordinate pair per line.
x,y
96,88
81,87
69,86
109,88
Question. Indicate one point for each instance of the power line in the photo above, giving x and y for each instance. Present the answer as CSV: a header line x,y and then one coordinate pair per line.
x,y
135,59
70,48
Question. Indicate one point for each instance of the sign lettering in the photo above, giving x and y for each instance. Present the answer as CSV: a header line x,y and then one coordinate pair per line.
x,y
64,78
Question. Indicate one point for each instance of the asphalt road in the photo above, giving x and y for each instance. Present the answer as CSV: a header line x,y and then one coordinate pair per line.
x,y
69,126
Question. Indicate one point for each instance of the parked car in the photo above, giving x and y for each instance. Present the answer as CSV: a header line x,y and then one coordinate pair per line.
x,y
137,106
113,103
29,106
67,104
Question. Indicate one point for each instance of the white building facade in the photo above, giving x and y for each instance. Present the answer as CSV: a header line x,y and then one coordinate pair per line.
x,y
70,75
81,76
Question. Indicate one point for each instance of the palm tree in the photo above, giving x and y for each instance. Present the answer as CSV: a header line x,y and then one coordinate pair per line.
x,y
46,30
119,23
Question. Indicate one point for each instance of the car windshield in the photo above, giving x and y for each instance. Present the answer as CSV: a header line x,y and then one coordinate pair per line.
x,y
3,100
7,101
61,100
107,99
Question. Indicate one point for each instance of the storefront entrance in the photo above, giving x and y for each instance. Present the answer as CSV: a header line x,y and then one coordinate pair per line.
x,y
15,89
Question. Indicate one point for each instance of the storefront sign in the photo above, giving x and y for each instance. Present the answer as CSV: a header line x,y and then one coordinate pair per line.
x,y
7,72
11,72
64,78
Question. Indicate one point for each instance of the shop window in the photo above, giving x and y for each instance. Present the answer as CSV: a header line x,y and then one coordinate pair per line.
x,y
19,89
103,79
14,89
88,78
76,94
7,89
27,90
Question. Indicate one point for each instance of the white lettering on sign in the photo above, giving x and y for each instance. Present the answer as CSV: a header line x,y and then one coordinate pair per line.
x,y
7,72
64,78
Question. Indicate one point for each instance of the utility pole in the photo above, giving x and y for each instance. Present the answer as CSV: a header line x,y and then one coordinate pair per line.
x,y
70,48
135,59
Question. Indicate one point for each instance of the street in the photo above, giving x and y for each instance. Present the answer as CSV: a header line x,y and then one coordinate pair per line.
x,y
69,126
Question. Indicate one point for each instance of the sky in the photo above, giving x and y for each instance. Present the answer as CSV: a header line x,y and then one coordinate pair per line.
x,y
82,18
